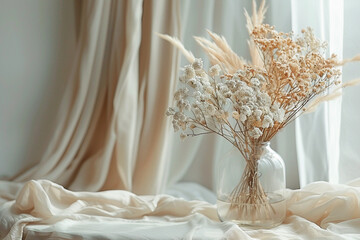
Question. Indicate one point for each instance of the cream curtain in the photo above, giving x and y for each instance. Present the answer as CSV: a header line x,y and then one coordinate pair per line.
x,y
112,132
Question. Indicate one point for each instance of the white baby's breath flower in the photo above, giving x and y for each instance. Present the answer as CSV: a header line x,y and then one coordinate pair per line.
x,y
182,125
193,83
178,116
231,84
257,114
260,77
189,72
279,115
201,73
255,82
205,81
246,91
170,111
187,105
214,70
178,95
227,94
182,79
210,109
175,125
275,107
245,110
255,133
223,88
242,117
197,94
236,115
183,105
267,122
265,99
197,64
209,89
197,111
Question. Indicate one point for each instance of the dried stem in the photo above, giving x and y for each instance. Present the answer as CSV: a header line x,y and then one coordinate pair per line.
x,y
248,197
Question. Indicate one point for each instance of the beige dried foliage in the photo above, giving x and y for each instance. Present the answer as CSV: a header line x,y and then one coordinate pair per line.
x,y
314,104
348,60
177,43
256,19
353,82
213,52
220,52
335,94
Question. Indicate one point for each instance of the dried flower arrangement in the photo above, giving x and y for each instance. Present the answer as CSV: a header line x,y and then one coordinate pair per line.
x,y
247,103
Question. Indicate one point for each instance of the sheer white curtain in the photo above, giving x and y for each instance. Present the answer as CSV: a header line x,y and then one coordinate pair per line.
x,y
327,141
349,163
318,134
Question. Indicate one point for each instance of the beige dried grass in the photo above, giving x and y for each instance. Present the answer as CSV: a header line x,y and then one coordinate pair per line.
x,y
335,94
348,60
220,52
314,104
177,43
256,19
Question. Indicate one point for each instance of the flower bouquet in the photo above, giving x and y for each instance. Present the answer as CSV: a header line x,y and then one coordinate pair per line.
x,y
247,103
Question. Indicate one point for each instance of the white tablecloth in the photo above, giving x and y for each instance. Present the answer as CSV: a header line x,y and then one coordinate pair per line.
x,y
44,210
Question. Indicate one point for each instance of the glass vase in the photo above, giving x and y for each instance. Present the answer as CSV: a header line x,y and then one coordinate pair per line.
x,y
251,188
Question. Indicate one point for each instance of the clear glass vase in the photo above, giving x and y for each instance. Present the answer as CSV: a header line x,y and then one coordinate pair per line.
x,y
250,192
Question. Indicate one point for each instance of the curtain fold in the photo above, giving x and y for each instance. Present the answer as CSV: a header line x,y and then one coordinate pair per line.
x,y
318,134
75,113
112,131
350,128
159,68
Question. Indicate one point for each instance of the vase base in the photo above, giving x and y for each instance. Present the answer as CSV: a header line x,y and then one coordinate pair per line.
x,y
254,215
257,224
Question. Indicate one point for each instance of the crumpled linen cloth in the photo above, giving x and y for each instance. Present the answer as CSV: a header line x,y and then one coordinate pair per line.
x,y
45,210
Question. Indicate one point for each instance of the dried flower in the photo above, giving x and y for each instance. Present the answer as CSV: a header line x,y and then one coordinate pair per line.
x,y
255,133
198,64
189,72
214,70
251,104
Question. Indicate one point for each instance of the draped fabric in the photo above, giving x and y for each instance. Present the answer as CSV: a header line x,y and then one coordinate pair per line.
x,y
48,211
112,132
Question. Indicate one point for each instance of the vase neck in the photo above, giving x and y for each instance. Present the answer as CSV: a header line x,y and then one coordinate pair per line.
x,y
262,145
259,149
